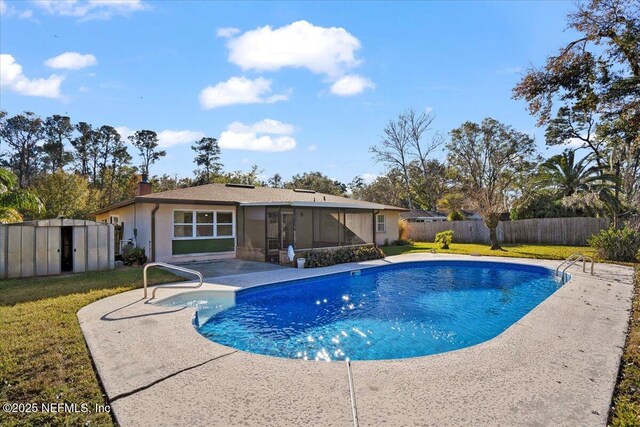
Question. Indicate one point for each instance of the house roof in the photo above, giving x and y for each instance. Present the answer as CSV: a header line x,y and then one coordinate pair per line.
x,y
421,213
242,195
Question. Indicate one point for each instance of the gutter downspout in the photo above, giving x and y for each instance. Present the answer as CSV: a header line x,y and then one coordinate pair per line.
x,y
375,228
153,231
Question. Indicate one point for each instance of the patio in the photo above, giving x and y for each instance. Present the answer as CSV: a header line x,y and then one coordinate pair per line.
x,y
555,366
228,267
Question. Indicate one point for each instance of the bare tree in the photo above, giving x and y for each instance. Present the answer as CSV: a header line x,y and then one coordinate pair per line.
x,y
418,125
394,149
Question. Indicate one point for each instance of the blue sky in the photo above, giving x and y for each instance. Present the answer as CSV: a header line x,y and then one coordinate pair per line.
x,y
292,87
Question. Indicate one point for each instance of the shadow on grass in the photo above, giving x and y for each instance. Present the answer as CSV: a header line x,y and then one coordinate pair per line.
x,y
14,291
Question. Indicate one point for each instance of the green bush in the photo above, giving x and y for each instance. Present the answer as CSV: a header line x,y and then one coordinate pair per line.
x,y
444,238
455,216
327,257
614,244
402,242
135,256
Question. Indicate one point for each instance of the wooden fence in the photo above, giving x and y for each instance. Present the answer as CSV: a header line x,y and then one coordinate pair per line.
x,y
553,231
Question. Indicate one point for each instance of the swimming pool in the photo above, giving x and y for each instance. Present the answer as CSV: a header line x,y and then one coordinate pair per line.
x,y
390,312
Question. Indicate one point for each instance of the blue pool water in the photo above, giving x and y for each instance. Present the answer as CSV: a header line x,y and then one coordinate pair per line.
x,y
397,311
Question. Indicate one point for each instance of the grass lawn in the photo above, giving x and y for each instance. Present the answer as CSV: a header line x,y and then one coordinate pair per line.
x,y
625,410
509,250
43,355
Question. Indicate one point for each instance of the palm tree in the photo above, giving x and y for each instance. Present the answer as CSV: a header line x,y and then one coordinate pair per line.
x,y
581,181
568,177
13,200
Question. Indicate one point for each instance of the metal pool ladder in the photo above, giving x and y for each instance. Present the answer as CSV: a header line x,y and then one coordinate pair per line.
x,y
572,259
171,267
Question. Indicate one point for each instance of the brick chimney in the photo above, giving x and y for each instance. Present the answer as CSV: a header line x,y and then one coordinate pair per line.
x,y
144,186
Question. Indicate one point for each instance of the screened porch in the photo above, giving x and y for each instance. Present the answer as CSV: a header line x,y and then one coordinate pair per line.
x,y
264,232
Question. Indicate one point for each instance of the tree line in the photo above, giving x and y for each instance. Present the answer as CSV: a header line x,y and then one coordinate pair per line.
x,y
52,167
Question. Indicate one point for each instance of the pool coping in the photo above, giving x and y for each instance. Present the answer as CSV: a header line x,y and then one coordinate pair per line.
x,y
556,365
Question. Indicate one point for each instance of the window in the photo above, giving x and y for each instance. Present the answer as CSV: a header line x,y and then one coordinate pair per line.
x,y
202,224
182,224
380,224
224,224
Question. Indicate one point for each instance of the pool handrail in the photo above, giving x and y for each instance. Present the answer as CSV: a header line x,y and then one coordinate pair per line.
x,y
569,258
572,259
171,267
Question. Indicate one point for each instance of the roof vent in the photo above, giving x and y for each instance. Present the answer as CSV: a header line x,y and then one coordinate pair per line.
x,y
240,185
303,190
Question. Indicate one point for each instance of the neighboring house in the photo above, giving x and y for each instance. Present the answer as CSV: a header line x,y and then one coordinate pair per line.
x,y
420,215
256,223
470,215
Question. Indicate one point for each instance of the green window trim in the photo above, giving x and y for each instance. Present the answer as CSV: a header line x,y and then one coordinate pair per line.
x,y
202,246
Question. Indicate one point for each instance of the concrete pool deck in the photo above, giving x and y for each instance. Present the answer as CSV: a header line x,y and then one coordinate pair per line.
x,y
555,366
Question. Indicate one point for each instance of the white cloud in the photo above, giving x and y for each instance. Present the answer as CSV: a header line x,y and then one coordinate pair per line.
x,y
368,178
71,61
168,138
6,10
575,142
266,135
124,132
227,32
239,90
264,126
428,110
351,85
12,77
329,51
250,141
312,148
90,9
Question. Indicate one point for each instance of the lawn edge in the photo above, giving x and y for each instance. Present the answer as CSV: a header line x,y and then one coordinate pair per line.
x,y
627,351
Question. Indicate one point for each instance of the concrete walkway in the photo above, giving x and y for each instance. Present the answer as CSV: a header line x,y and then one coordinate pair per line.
x,y
555,366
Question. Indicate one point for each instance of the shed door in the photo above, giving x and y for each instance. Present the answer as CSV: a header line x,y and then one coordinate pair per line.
x,y
54,250
42,251
66,258
79,249
92,247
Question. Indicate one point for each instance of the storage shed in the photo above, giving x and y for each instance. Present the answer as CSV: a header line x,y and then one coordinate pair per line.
x,y
54,246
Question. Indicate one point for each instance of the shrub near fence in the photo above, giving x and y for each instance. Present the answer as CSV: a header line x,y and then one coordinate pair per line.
x,y
552,231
